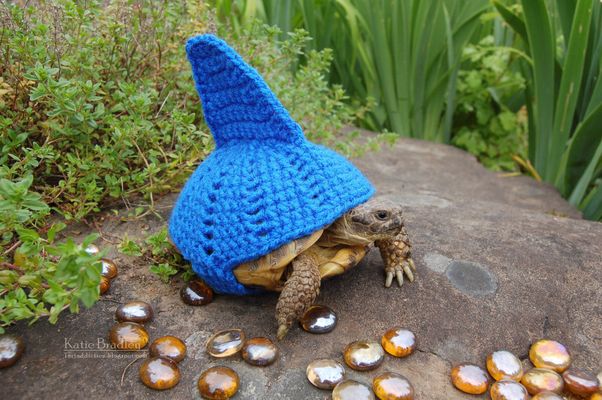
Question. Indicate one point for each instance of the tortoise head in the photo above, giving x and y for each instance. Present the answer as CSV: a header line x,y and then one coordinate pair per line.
x,y
374,220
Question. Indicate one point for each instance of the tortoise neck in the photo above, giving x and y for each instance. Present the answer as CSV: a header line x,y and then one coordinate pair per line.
x,y
340,232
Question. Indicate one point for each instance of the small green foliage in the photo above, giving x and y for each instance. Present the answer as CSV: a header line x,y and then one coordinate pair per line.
x,y
484,124
157,251
129,247
163,271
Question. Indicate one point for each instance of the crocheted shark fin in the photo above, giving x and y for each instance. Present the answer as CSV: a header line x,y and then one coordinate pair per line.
x,y
237,103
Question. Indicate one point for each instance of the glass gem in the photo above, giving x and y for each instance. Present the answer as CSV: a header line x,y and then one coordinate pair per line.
x,y
508,390
548,396
134,311
580,382
109,268
92,249
218,383
392,386
105,285
364,355
550,354
226,343
539,380
259,351
325,373
504,365
318,319
196,293
399,342
169,347
11,349
352,390
470,378
128,336
159,373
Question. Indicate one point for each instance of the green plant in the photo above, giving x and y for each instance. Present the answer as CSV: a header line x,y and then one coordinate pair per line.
x,y
40,277
157,251
484,124
563,46
403,54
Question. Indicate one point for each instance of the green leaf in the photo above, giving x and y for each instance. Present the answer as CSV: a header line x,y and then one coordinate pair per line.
x,y
542,45
570,83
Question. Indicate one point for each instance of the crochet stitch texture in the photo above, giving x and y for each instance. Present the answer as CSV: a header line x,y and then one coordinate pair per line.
x,y
264,185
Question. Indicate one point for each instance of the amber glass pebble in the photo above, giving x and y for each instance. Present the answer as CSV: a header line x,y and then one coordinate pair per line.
x,y
11,349
196,293
134,311
325,374
128,336
547,396
470,378
508,390
318,319
109,268
105,284
538,380
259,351
92,249
364,355
168,347
399,342
226,343
352,390
550,354
580,382
504,365
392,386
218,383
159,373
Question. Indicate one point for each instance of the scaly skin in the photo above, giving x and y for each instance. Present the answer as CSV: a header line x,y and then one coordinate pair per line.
x,y
299,292
396,253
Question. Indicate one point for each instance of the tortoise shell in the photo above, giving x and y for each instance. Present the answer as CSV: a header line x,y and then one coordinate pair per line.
x,y
269,272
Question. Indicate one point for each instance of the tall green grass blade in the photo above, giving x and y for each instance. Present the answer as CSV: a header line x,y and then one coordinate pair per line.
x,y
451,87
582,148
570,83
542,44
514,21
592,205
566,10
580,189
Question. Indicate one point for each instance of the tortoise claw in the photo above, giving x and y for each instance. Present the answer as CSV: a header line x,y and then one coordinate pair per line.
x,y
399,276
389,279
282,331
397,272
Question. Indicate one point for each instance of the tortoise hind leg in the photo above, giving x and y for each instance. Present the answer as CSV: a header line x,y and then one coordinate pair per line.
x,y
299,292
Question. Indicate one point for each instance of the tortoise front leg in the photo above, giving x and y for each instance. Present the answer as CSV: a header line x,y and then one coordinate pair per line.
x,y
299,292
397,256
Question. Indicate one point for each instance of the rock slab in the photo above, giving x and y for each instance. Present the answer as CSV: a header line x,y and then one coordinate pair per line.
x,y
501,263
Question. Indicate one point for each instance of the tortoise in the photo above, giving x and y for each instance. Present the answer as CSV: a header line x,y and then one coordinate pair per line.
x,y
297,268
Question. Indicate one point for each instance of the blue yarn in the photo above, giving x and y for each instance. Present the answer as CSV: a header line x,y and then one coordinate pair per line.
x,y
264,184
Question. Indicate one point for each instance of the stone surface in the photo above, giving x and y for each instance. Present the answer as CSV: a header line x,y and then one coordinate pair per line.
x,y
546,267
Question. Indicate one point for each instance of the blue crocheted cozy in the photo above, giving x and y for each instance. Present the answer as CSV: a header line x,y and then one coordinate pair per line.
x,y
264,184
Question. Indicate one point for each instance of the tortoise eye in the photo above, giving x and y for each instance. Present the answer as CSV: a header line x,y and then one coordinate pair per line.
x,y
382,215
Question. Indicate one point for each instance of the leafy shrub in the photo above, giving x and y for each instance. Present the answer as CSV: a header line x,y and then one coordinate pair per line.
x,y
483,123
562,45
403,54
38,276
98,107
